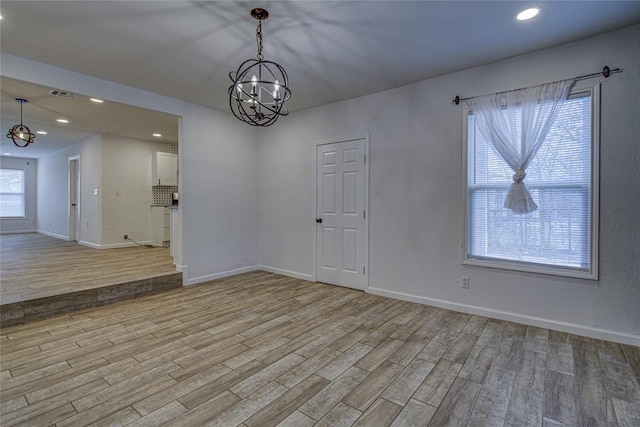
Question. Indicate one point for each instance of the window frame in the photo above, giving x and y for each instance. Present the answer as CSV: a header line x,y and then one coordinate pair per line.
x,y
23,194
594,209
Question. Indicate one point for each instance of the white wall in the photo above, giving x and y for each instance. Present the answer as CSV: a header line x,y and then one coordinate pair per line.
x,y
219,199
120,169
29,222
416,216
53,191
218,169
126,188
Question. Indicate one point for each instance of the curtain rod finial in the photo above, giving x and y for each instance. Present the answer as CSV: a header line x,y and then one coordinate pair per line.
x,y
456,100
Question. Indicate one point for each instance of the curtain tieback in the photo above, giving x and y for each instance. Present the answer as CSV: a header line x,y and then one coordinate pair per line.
x,y
519,176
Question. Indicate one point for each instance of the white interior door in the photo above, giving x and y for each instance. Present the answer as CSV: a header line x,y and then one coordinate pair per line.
x,y
340,213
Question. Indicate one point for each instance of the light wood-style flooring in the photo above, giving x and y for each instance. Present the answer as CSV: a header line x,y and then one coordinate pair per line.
x,y
35,266
260,349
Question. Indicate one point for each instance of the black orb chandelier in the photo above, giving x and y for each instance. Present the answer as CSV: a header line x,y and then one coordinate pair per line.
x,y
260,88
20,134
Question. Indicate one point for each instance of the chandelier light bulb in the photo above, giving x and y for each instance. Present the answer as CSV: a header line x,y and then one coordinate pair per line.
x,y
240,91
276,91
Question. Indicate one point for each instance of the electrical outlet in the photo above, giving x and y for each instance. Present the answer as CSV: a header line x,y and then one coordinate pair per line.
x,y
126,237
465,282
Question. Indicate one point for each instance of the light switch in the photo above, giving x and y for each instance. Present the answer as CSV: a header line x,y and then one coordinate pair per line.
x,y
95,191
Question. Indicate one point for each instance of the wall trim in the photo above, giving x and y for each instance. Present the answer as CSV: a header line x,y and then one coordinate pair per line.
x,y
122,245
294,274
55,235
209,277
573,328
91,245
17,231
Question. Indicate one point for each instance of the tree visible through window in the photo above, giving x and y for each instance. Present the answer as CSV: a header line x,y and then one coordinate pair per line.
x,y
558,234
11,193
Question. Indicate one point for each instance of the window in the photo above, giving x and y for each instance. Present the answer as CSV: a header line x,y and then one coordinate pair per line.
x,y
558,238
11,193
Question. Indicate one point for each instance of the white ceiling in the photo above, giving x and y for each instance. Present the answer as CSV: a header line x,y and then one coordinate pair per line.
x,y
85,118
332,50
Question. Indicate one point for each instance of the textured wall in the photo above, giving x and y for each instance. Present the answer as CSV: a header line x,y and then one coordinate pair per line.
x,y
416,201
126,188
53,191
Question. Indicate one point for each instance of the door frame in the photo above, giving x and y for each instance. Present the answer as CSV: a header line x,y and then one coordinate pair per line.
x,y
314,227
74,187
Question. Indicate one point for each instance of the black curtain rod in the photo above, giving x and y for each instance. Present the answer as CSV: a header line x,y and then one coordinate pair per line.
x,y
606,72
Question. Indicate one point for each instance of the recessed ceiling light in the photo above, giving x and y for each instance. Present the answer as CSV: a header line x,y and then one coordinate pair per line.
x,y
62,121
99,101
527,14
41,132
157,135
6,154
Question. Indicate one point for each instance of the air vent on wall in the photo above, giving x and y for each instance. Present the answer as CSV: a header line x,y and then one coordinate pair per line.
x,y
61,93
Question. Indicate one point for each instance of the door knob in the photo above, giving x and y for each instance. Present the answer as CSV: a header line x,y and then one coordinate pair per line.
x,y
319,220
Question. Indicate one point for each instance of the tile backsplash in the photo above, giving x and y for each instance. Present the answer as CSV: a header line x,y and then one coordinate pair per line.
x,y
161,195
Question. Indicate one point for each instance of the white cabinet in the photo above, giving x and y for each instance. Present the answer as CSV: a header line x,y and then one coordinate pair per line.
x,y
160,226
164,169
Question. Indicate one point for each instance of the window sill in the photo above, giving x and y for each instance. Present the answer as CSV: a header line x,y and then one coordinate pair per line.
x,y
532,268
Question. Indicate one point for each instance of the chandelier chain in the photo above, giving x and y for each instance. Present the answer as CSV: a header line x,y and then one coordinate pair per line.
x,y
259,40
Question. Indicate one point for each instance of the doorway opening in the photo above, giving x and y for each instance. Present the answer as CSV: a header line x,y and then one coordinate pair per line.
x,y
74,198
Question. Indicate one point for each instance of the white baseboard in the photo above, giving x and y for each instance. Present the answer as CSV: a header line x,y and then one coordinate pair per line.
x,y
295,274
122,245
209,277
195,280
17,231
587,331
89,244
56,235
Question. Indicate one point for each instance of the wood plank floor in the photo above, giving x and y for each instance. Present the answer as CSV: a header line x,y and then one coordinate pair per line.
x,y
35,266
260,349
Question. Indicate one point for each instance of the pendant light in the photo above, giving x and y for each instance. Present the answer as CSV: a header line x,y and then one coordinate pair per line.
x,y
20,134
260,88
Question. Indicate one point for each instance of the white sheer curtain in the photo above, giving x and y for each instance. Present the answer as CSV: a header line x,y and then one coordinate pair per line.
x,y
515,124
